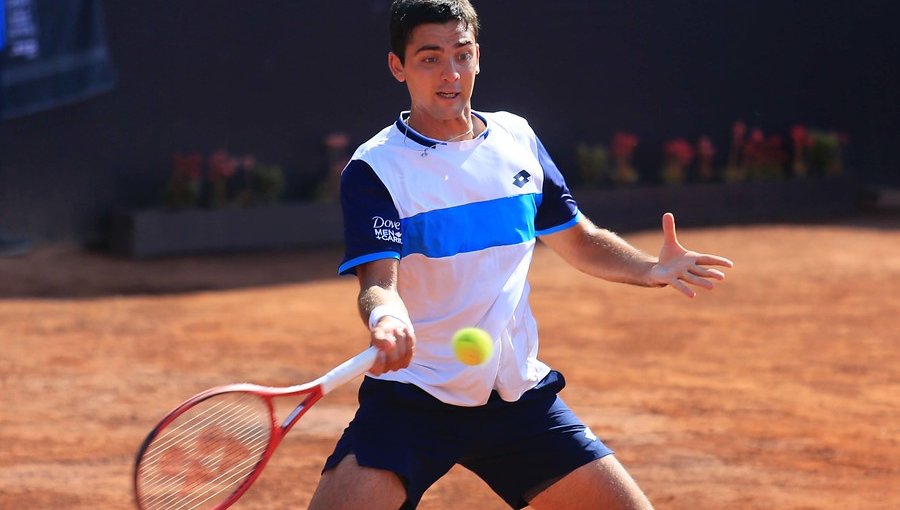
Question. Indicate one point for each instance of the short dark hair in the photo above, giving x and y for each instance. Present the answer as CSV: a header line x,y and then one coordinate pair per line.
x,y
408,14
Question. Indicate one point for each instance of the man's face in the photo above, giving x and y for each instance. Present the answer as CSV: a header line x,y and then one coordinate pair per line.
x,y
439,69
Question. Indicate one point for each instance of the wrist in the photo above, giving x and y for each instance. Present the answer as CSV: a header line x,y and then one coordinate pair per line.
x,y
650,279
382,311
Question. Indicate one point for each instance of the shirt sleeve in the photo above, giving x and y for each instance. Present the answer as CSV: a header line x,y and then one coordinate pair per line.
x,y
371,221
558,209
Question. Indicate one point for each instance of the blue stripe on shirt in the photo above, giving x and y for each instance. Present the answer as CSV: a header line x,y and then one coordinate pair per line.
x,y
564,226
470,227
358,261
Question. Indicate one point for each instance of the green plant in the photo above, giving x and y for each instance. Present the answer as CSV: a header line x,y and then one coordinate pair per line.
x,y
825,156
184,187
266,184
593,164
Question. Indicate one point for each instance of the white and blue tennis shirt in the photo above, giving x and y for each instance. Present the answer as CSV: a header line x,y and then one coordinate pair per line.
x,y
462,218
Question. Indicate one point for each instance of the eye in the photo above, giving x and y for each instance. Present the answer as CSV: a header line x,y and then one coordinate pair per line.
x,y
430,60
466,56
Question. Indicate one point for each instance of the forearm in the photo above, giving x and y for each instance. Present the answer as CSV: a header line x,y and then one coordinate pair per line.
x,y
602,253
608,256
374,296
378,288
385,315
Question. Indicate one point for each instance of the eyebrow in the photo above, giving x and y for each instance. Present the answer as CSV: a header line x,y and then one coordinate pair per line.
x,y
435,47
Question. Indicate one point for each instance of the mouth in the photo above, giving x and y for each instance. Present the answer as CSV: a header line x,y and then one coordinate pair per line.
x,y
448,95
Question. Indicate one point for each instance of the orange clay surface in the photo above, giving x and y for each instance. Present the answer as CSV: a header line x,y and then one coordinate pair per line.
x,y
780,389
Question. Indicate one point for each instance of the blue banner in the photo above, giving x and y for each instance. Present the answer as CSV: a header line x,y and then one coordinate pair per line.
x,y
2,25
55,54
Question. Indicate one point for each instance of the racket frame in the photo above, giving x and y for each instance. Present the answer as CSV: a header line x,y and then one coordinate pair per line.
x,y
314,390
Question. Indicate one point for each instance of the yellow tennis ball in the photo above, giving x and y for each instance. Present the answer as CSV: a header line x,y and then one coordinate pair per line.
x,y
473,346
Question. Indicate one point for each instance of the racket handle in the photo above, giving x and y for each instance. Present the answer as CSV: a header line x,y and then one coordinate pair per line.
x,y
348,370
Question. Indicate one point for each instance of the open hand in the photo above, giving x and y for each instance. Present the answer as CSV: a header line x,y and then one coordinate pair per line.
x,y
678,267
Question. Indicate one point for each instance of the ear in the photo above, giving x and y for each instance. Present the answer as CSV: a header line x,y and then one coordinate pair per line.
x,y
396,67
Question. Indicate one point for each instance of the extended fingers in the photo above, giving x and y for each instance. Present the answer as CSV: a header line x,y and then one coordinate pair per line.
x,y
706,272
681,284
713,260
696,280
681,287
696,275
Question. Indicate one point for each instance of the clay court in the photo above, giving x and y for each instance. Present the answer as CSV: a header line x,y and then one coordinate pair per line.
x,y
779,389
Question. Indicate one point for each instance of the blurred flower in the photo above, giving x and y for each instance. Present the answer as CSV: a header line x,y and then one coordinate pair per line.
x,y
189,167
764,158
801,141
623,146
705,147
738,130
680,151
184,186
337,156
221,165
800,136
756,136
734,170
337,141
678,155
706,153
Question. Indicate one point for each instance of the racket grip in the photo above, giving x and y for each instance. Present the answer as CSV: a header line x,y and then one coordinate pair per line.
x,y
348,370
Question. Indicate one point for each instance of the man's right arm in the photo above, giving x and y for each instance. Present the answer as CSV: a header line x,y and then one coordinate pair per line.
x,y
383,311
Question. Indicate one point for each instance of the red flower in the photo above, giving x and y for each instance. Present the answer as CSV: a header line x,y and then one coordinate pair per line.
x,y
756,136
738,130
188,167
679,150
800,136
623,144
337,141
221,165
705,148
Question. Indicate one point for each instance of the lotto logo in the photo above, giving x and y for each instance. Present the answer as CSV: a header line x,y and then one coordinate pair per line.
x,y
521,178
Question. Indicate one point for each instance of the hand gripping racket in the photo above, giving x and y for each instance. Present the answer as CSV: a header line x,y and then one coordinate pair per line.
x,y
208,451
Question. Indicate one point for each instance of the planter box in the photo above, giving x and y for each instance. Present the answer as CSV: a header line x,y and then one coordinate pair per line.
x,y
159,232
721,203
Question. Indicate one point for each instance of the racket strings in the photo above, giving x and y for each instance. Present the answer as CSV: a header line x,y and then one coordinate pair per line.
x,y
205,454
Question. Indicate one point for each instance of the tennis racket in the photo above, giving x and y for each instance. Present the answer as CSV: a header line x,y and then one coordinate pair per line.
x,y
207,452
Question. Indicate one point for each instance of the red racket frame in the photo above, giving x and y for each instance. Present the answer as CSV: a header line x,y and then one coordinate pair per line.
x,y
314,390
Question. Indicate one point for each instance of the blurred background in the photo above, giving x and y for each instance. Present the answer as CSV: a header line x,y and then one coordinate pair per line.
x,y
110,105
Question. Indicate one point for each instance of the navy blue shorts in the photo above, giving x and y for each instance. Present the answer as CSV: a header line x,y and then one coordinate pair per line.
x,y
518,448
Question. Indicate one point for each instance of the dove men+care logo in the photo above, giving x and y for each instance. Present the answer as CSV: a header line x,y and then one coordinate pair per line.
x,y
387,230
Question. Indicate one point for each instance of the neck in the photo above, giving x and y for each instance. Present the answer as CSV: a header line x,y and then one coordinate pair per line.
x,y
455,130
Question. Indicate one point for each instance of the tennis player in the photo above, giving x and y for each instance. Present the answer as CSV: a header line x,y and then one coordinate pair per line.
x,y
442,210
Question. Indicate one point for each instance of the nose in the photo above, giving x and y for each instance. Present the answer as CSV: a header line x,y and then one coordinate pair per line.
x,y
450,72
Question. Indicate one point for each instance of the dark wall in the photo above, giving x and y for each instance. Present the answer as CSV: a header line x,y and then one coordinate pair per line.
x,y
272,78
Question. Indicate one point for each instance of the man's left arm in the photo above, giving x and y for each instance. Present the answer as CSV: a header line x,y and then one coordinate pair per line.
x,y
602,253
